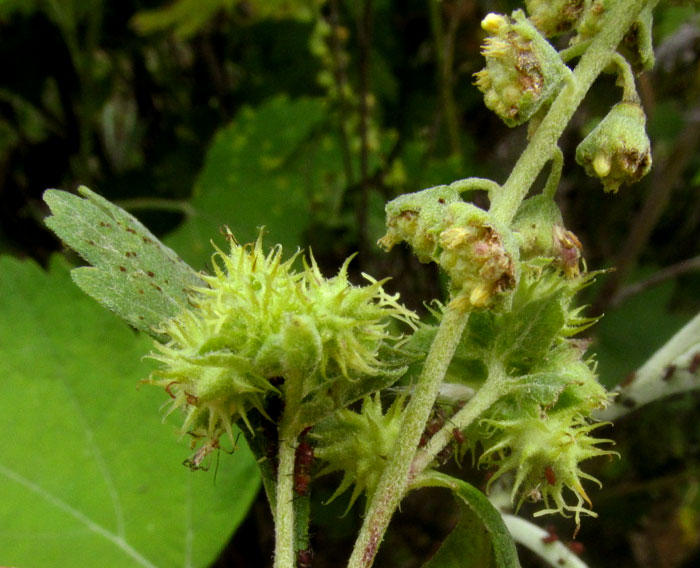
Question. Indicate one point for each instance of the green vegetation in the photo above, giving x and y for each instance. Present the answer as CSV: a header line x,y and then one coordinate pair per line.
x,y
264,144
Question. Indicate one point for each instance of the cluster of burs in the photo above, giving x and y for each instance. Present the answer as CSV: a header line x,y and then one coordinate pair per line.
x,y
263,342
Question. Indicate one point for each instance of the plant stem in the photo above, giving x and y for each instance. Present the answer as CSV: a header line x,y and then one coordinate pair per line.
x,y
474,183
552,184
287,445
629,89
490,392
574,51
284,510
533,537
672,369
505,203
398,473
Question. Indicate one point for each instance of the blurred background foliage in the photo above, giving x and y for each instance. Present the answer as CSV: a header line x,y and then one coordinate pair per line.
x,y
306,116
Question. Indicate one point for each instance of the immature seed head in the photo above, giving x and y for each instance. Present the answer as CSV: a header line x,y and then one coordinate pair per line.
x,y
543,431
359,444
258,321
544,452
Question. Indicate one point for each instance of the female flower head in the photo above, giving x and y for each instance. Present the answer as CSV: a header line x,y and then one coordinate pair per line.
x,y
258,320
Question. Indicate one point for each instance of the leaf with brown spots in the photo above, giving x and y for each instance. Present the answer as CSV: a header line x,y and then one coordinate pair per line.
x,y
132,273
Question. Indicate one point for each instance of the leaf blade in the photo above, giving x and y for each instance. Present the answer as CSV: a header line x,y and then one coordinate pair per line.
x,y
481,532
133,273
88,470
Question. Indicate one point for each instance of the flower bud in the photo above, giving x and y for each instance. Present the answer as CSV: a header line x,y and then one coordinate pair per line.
x,y
533,224
522,69
539,226
418,219
554,17
567,250
617,150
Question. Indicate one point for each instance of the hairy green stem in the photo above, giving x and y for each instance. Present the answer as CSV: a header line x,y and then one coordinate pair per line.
x,y
550,187
287,445
398,473
490,392
504,203
474,183
629,89
284,510
574,51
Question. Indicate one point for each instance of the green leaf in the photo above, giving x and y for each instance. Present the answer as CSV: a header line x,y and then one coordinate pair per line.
x,y
89,475
527,333
133,273
467,545
251,178
481,539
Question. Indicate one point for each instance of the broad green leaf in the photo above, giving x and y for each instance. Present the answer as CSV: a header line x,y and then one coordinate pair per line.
x,y
252,178
481,539
89,474
133,273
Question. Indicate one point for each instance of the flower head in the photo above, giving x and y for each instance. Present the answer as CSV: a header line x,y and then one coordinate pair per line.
x,y
544,452
359,444
258,320
522,71
476,252
618,150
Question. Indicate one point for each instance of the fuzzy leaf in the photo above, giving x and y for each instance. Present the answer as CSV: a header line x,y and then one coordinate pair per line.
x,y
481,538
133,273
527,334
88,473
